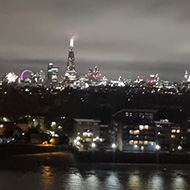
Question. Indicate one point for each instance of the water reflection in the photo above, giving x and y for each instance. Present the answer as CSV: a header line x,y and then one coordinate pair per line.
x,y
73,181
135,181
156,183
92,182
112,181
47,180
179,182
92,178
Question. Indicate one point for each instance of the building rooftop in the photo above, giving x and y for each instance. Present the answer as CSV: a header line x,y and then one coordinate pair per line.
x,y
104,126
163,122
87,120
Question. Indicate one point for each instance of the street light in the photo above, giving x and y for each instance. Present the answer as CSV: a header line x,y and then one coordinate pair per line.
x,y
157,147
113,146
179,148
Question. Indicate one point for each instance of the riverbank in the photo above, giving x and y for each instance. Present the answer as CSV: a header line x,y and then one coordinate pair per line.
x,y
34,156
31,149
33,162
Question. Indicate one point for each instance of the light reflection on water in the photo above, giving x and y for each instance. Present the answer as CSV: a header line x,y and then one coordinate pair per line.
x,y
113,181
74,181
46,178
156,182
134,180
135,177
179,181
92,182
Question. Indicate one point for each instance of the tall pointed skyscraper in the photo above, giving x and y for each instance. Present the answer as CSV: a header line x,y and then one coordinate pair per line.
x,y
71,57
71,73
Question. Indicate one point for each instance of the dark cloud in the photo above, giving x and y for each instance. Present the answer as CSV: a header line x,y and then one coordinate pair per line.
x,y
123,37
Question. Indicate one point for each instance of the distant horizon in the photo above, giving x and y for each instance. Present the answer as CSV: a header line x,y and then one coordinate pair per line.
x,y
168,71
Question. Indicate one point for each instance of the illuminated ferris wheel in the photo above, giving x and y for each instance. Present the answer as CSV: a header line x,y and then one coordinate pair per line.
x,y
26,74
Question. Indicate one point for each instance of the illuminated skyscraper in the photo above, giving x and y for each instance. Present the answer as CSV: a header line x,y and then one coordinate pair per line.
x,y
50,66
186,76
52,73
71,73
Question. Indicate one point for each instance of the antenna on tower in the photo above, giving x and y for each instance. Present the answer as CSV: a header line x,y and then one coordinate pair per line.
x,y
71,42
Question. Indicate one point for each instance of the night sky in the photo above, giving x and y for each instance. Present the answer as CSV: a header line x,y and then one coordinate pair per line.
x,y
122,37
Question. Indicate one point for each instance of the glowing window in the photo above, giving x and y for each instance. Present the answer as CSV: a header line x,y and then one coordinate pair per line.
x,y
136,132
131,142
145,142
178,131
173,130
87,133
141,127
172,136
131,132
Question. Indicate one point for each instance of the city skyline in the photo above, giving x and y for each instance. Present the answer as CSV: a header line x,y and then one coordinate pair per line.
x,y
122,38
94,94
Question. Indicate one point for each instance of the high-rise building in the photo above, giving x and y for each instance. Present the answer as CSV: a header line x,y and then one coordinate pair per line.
x,y
186,76
54,76
52,73
71,73
50,66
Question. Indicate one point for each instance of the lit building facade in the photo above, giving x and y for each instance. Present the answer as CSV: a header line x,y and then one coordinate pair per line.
x,y
86,129
134,130
164,133
172,136
52,73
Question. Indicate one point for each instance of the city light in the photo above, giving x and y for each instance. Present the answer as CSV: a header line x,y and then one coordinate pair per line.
x,y
11,77
93,145
179,148
71,42
24,72
113,146
157,147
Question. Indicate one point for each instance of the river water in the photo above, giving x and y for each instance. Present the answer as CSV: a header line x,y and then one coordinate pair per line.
x,y
98,176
